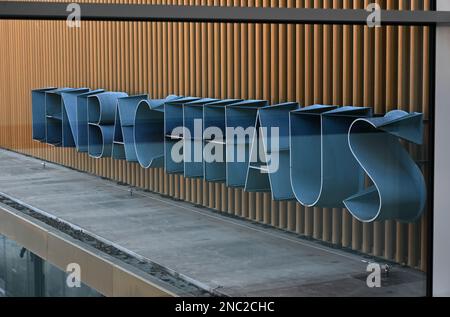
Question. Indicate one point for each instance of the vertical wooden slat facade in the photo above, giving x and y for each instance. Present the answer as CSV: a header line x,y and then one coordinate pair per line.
x,y
385,68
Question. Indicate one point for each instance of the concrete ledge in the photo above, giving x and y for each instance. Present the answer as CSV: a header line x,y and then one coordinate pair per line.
x,y
199,251
101,272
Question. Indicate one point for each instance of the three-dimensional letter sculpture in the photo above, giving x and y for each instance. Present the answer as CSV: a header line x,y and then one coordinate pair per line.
x,y
81,124
101,119
193,138
270,172
174,133
398,190
149,131
123,143
69,118
214,163
240,121
38,113
324,156
58,132
323,169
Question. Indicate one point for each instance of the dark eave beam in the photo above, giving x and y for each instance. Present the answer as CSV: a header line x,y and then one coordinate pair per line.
x,y
175,13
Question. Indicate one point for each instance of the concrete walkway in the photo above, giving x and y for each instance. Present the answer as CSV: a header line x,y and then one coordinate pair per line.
x,y
234,256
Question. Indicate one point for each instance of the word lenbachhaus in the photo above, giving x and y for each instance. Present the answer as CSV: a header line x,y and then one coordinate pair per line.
x,y
173,133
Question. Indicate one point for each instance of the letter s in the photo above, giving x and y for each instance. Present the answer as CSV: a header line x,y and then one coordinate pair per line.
x,y
398,191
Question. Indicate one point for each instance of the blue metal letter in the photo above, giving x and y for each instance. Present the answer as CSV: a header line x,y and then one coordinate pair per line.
x,y
54,112
193,144
214,118
398,191
240,119
323,169
101,119
173,119
123,144
261,175
149,132
82,121
38,113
